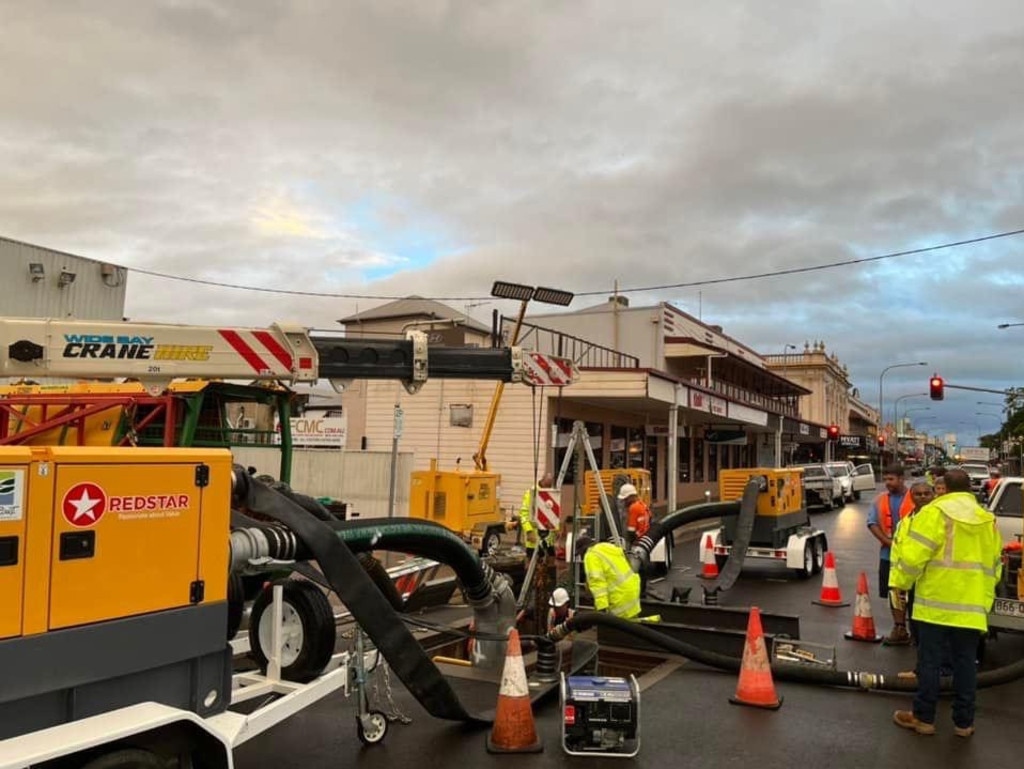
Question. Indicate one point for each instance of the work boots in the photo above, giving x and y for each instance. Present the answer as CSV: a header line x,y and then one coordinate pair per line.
x,y
908,720
898,637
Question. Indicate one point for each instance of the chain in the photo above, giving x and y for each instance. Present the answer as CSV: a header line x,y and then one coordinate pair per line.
x,y
388,705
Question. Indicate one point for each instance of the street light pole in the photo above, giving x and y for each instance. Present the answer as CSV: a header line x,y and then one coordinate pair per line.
x,y
896,406
881,401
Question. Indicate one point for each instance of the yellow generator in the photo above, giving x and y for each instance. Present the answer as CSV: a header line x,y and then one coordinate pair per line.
x,y
467,503
612,481
113,579
781,528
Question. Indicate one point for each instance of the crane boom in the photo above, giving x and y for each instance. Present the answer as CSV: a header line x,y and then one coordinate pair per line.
x,y
156,353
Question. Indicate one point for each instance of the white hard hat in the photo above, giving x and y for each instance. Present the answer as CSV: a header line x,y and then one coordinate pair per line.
x,y
627,490
560,597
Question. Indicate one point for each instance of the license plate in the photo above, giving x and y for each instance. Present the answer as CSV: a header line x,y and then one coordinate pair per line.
x,y
1005,607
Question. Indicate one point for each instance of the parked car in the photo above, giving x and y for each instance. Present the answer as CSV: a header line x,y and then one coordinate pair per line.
x,y
1006,505
863,479
841,471
978,473
821,487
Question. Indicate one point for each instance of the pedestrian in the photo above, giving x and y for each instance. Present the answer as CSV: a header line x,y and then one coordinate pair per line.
x,y
902,601
951,556
994,477
638,514
611,580
888,508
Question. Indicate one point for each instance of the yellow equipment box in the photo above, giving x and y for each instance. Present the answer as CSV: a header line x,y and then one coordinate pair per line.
x,y
465,502
91,534
612,481
782,495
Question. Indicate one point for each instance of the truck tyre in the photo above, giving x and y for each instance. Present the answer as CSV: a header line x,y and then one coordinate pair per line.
x,y
309,630
856,496
128,758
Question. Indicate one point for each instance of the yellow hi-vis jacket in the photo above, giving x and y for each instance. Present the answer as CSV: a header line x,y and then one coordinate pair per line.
x,y
612,581
950,553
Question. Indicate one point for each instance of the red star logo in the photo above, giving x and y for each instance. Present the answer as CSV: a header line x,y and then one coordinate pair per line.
x,y
84,504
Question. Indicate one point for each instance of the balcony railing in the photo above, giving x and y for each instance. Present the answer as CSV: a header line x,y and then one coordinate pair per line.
x,y
785,406
583,353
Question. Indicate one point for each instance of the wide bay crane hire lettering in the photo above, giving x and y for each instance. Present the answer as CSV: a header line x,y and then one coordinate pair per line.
x,y
106,346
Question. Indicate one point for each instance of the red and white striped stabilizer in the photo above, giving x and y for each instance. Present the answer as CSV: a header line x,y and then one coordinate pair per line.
x,y
542,370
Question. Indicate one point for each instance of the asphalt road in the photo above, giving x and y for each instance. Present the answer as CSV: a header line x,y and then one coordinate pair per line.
x,y
686,719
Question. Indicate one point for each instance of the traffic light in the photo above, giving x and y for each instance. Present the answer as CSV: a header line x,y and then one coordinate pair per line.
x,y
935,387
833,432
881,441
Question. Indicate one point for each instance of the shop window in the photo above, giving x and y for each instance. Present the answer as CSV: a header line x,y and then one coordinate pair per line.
x,y
635,447
684,460
617,447
727,456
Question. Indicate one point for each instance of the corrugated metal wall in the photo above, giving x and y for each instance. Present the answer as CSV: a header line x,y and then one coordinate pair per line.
x,y
360,478
427,430
92,295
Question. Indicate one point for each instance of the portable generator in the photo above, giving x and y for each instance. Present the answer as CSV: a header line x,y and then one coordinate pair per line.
x,y
600,716
113,582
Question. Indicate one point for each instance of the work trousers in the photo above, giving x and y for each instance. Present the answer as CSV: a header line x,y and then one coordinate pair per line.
x,y
933,644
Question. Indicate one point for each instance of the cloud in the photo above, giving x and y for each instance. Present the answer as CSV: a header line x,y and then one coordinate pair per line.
x,y
574,144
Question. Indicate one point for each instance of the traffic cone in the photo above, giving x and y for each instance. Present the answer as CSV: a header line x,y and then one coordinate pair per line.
x,y
863,622
513,730
755,687
710,569
830,595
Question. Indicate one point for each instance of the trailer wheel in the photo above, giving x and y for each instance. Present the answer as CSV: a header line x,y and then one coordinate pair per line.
x,y
127,758
371,727
308,630
819,554
236,604
491,543
807,569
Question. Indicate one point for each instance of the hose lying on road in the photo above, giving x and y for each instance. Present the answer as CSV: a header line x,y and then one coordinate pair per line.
x,y
783,671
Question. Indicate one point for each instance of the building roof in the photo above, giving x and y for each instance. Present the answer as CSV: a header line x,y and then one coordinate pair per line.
x,y
57,251
415,308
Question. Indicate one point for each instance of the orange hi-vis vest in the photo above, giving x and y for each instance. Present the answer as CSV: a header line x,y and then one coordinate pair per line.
x,y
885,514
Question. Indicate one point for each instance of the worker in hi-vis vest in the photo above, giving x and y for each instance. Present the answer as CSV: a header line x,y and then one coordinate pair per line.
x,y
610,577
526,525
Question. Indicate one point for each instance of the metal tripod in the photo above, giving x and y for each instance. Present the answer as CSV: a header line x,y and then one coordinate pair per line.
x,y
579,441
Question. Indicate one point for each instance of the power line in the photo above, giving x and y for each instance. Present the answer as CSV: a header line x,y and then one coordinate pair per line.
x,y
634,290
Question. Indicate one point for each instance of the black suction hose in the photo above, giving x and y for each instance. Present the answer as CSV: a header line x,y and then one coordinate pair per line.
x,y
283,545
691,514
783,671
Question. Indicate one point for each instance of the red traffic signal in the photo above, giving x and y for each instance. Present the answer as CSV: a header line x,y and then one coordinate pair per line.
x,y
935,388
833,432
881,440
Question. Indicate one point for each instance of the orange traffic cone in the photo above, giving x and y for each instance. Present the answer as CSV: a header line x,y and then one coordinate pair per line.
x,y
863,622
755,687
710,569
513,730
830,595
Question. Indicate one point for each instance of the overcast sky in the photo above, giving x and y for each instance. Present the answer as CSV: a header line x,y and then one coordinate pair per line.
x,y
386,148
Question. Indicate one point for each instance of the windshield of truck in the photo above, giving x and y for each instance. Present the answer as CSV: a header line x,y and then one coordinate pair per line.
x,y
975,469
839,469
814,472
